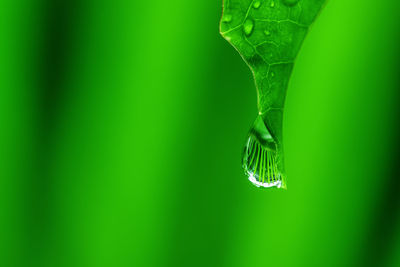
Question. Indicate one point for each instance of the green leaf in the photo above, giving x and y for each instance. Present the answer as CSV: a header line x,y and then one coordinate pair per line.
x,y
268,35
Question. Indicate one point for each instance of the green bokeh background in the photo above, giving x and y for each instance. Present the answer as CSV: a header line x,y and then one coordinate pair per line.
x,y
122,126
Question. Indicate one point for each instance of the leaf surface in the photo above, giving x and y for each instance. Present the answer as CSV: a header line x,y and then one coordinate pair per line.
x,y
268,35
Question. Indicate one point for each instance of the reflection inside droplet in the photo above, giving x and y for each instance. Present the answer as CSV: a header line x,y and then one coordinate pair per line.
x,y
260,157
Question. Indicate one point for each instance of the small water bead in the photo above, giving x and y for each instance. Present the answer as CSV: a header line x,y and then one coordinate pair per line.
x,y
290,2
267,33
227,18
272,4
248,27
257,4
260,159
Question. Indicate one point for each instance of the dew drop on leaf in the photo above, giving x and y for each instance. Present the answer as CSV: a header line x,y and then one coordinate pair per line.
x,y
269,37
248,26
260,158
227,18
257,4
290,2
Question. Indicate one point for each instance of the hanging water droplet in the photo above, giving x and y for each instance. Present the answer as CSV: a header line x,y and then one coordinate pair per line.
x,y
257,4
260,159
267,33
272,4
227,18
248,26
290,2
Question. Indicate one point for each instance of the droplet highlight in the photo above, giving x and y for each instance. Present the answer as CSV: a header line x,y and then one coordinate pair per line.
x,y
272,4
248,26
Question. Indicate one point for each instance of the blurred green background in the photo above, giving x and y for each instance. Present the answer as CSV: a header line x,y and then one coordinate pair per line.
x,y
122,126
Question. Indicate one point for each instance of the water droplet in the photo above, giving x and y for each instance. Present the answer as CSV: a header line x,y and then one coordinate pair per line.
x,y
267,33
290,2
257,4
272,74
260,157
227,18
272,4
248,26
